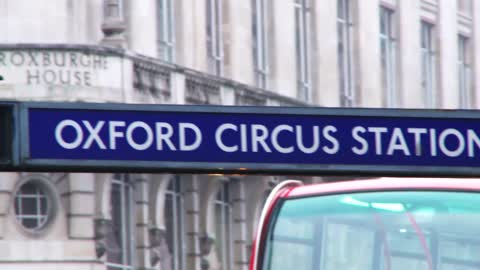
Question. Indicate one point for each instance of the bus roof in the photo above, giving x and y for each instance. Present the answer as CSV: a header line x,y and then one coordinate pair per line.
x,y
385,184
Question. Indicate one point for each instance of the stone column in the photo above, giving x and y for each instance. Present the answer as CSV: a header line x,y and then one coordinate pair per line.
x,y
192,221
410,64
7,184
103,187
325,74
447,41
177,87
283,64
255,195
367,39
227,95
191,34
81,210
238,41
476,53
208,188
240,239
142,27
157,228
141,198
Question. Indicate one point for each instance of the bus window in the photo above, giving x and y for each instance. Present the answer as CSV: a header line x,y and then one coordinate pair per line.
x,y
383,230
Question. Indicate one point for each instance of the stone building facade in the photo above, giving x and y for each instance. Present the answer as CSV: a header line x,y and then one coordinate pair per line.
x,y
351,53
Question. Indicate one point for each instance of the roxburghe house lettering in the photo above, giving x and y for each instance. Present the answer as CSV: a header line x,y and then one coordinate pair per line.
x,y
55,67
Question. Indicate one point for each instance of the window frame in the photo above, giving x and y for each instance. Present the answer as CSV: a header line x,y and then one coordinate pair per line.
x,y
127,215
166,30
223,201
175,194
214,36
345,53
389,55
302,20
260,42
428,62
464,72
52,205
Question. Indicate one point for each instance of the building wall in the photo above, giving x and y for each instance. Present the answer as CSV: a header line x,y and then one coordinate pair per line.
x,y
66,50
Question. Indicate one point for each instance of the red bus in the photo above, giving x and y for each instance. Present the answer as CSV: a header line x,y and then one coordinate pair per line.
x,y
383,224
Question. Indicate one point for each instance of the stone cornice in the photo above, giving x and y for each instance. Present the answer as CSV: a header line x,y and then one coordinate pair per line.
x,y
150,61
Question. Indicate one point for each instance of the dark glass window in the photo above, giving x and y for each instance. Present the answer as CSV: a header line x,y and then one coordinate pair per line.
x,y
32,206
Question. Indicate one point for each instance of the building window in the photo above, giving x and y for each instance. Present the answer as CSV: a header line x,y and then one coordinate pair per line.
x,y
260,46
428,64
223,227
113,8
34,205
388,56
165,30
174,220
120,240
464,72
214,36
345,53
302,46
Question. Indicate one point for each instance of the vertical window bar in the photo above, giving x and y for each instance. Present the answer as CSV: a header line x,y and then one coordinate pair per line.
x,y
174,196
464,72
259,20
223,230
388,54
214,35
38,202
223,218
20,207
166,30
230,236
181,225
302,21
264,66
130,221
219,36
344,52
175,228
123,228
428,65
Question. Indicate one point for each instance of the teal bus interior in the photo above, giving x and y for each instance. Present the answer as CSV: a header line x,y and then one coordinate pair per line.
x,y
388,230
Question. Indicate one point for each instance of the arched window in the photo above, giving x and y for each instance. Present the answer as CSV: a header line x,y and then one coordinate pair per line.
x,y
174,221
120,240
223,227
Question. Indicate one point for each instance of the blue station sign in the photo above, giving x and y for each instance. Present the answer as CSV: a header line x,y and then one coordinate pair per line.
x,y
251,139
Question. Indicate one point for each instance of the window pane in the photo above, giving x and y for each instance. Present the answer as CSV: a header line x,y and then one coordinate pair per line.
x,y
428,64
31,206
223,223
174,226
30,223
302,40
119,241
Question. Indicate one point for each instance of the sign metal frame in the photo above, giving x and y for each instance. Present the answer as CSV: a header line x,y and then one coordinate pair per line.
x,y
27,163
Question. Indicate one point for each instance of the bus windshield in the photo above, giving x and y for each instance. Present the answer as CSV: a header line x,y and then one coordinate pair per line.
x,y
392,230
